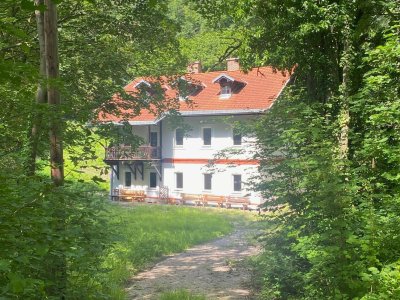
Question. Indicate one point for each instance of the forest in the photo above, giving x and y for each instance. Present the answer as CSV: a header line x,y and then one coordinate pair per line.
x,y
329,148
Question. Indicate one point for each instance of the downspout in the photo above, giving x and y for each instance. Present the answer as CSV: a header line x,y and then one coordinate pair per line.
x,y
161,168
111,184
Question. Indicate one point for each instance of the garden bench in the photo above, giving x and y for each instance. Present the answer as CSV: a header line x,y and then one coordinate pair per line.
x,y
196,198
219,200
132,195
244,202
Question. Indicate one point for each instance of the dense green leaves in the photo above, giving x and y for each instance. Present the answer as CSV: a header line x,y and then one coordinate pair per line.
x,y
329,148
52,238
30,236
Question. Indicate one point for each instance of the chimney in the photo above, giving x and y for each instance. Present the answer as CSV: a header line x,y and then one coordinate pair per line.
x,y
194,67
233,64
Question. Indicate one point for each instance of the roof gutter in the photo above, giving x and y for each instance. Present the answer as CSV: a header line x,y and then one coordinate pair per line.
x,y
221,112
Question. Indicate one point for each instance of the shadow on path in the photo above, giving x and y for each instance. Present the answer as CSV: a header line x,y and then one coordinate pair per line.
x,y
215,269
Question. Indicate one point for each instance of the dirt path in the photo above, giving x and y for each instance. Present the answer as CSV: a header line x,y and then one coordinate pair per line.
x,y
215,269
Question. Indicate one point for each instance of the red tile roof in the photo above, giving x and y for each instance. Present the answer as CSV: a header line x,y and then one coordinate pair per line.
x,y
261,88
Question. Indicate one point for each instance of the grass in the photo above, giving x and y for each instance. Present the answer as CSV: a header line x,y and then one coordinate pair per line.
x,y
181,295
146,233
89,167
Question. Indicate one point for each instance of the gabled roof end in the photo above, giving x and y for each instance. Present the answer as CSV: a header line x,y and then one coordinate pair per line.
x,y
223,75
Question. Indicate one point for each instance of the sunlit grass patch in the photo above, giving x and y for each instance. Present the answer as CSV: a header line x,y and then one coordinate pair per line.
x,y
181,295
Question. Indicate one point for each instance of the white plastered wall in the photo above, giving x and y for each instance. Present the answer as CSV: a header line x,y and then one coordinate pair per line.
x,y
222,180
222,138
193,149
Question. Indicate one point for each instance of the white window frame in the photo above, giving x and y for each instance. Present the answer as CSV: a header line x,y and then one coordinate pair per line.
x,y
241,183
183,138
225,91
176,181
131,179
233,139
151,187
202,137
204,182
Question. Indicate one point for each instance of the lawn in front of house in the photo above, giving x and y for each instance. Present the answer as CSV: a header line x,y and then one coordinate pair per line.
x,y
145,233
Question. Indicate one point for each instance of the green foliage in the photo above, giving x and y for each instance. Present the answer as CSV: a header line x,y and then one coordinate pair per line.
x,y
201,40
40,225
333,183
103,245
335,232
53,239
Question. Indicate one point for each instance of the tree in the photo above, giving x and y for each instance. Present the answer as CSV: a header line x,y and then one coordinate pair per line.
x,y
53,96
201,39
52,231
324,242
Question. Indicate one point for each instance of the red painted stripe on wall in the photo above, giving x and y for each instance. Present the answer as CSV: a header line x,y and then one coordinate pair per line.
x,y
204,161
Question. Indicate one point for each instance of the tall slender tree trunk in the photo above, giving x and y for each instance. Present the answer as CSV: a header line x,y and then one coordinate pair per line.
x,y
344,115
41,95
57,263
53,96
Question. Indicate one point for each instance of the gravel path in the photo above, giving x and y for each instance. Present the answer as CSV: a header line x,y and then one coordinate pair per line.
x,y
216,270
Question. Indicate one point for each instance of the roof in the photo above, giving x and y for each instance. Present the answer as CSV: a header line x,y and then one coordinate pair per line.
x,y
261,88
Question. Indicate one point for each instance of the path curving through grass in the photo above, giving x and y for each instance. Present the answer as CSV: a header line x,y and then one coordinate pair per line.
x,y
215,270
146,233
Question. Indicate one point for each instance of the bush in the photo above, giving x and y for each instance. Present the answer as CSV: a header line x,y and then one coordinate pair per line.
x,y
52,239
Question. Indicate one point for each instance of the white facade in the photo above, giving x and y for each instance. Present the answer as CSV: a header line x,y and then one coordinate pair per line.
x,y
183,163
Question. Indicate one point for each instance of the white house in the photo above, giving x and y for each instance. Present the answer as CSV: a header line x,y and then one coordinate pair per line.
x,y
174,159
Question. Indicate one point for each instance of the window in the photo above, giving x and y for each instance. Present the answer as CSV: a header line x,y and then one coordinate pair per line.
x,y
153,179
226,90
153,139
179,180
128,178
237,183
207,136
179,137
237,138
207,181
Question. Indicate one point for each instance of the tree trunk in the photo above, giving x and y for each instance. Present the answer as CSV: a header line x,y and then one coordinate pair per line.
x,y
53,96
344,114
57,263
41,96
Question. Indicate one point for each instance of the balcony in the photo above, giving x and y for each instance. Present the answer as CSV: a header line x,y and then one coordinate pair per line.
x,y
130,153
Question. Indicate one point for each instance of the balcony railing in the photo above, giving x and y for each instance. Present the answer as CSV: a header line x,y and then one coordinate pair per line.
x,y
130,153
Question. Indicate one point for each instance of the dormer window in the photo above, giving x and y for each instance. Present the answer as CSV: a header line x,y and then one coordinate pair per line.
x,y
144,90
186,88
228,85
